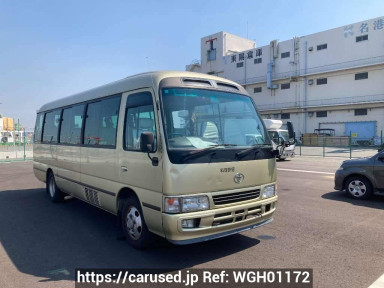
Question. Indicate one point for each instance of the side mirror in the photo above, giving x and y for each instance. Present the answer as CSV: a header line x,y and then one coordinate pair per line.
x,y
291,132
147,140
380,158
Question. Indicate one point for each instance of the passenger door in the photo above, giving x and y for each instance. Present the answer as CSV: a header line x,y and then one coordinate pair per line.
x,y
137,171
378,171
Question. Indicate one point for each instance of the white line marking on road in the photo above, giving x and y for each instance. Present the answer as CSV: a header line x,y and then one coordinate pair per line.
x,y
379,283
306,171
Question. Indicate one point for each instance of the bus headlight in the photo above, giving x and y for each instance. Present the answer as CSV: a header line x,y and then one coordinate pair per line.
x,y
269,191
185,204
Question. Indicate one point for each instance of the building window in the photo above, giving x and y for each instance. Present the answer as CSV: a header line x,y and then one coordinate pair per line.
x,y
211,55
285,54
321,81
285,116
257,60
361,76
257,90
320,114
285,86
361,38
240,64
361,112
322,47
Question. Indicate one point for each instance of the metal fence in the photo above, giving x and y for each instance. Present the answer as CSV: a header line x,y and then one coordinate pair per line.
x,y
345,147
323,146
16,148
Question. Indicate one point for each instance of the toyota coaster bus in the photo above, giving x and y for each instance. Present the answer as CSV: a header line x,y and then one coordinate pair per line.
x,y
181,155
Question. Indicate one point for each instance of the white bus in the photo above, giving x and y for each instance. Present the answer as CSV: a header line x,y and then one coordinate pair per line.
x,y
181,155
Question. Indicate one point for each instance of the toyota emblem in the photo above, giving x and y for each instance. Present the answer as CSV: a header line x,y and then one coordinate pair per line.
x,y
238,178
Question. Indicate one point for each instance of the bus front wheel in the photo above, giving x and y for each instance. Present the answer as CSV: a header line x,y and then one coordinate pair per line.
x,y
135,230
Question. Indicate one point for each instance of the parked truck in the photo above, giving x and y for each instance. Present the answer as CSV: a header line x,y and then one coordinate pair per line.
x,y
279,138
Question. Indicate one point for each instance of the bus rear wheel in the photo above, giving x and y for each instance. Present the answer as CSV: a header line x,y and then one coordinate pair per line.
x,y
53,191
135,230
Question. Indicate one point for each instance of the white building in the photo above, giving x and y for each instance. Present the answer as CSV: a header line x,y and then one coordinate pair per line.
x,y
332,79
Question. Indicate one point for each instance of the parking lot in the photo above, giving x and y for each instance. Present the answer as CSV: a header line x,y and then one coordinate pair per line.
x,y
42,243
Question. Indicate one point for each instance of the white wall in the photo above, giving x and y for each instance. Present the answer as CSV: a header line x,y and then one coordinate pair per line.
x,y
225,44
339,62
343,85
341,48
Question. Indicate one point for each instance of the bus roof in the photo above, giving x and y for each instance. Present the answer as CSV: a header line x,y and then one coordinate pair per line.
x,y
143,80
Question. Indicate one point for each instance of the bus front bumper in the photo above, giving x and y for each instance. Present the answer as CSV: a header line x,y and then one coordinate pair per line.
x,y
220,222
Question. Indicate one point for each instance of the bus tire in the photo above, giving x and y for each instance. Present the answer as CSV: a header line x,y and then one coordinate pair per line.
x,y
53,191
134,228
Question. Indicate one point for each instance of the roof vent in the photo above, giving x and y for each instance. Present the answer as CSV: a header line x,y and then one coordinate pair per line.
x,y
227,86
200,82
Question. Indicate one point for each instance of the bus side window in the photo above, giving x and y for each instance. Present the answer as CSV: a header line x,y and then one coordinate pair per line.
x,y
274,137
38,128
51,126
70,131
139,118
101,122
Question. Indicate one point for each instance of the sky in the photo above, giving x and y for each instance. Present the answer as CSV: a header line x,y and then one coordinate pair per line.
x,y
50,49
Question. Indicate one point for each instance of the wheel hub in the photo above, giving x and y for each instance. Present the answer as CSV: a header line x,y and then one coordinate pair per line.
x,y
357,188
134,223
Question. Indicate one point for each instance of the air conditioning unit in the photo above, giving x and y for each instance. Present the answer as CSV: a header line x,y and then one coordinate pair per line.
x,y
310,48
310,81
310,114
275,86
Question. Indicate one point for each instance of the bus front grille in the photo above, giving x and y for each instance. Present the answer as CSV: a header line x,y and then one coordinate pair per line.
x,y
235,197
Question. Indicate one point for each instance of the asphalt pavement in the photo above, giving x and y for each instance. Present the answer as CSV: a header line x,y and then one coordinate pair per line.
x,y
41,243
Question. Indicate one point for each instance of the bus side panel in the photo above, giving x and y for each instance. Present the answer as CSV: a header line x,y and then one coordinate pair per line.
x,y
44,157
68,169
99,170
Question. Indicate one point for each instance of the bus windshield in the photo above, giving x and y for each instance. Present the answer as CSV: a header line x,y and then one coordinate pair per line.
x,y
284,135
199,119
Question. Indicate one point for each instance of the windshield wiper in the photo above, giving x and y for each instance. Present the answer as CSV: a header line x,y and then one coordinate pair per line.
x,y
249,150
201,152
